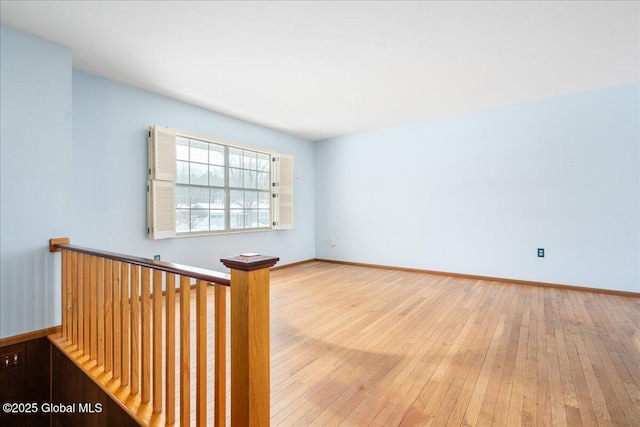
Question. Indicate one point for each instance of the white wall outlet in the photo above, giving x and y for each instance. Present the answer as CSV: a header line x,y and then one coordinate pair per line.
x,y
332,242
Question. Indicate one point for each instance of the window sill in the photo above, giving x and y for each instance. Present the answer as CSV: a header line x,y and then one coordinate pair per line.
x,y
224,232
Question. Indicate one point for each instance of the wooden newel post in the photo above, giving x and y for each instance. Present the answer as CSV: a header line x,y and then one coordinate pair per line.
x,y
250,339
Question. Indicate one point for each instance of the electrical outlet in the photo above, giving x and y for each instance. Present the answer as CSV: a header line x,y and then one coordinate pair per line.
x,y
540,252
156,257
332,242
11,360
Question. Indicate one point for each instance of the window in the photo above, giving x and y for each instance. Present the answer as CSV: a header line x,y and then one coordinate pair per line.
x,y
199,185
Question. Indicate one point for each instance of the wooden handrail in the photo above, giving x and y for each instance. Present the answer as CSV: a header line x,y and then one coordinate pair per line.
x,y
169,267
114,312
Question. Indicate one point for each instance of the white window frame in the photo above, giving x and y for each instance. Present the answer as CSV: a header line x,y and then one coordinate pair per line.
x,y
162,182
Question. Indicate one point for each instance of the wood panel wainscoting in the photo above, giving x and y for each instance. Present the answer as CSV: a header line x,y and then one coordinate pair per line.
x,y
71,386
26,379
358,346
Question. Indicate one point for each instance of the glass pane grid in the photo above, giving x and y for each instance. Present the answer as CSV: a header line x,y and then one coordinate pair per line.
x,y
203,169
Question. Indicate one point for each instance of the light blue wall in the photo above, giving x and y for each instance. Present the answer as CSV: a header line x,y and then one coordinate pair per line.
x,y
472,194
35,141
110,172
479,193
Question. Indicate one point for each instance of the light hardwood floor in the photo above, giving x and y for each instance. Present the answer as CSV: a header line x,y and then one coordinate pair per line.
x,y
354,346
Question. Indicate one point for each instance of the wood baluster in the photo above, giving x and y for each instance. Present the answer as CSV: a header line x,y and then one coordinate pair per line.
x,y
74,298
157,341
134,383
68,307
201,353
81,264
185,372
100,310
64,294
86,284
108,315
69,300
93,308
125,319
117,315
170,349
220,368
86,260
145,348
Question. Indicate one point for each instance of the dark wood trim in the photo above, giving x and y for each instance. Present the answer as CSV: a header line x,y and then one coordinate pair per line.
x,y
488,278
38,378
84,366
27,381
249,263
28,336
70,384
170,267
293,264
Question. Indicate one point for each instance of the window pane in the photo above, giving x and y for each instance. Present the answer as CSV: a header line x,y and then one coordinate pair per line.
x,y
216,176
182,172
182,197
263,162
235,178
250,159
251,199
250,179
264,218
199,220
263,200
216,220
199,174
217,199
182,148
264,180
235,157
182,220
216,154
199,151
237,199
199,198
251,219
237,219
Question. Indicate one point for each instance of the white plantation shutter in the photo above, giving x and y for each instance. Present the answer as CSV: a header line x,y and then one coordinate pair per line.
x,y
163,221
162,148
161,214
284,200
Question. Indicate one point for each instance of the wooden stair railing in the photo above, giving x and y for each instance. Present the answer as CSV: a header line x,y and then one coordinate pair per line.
x,y
114,310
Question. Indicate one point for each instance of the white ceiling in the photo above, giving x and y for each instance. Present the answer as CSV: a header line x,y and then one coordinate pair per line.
x,y
322,69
